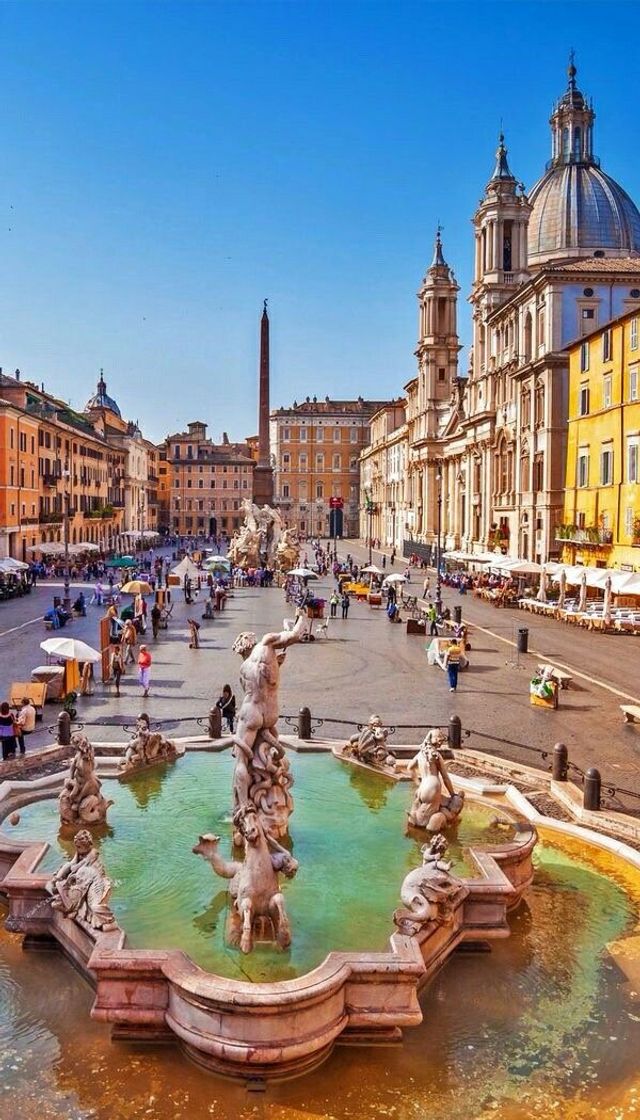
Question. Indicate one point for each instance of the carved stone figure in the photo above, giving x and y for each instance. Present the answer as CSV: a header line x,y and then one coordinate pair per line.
x,y
261,777
256,542
370,746
80,888
81,801
258,908
430,809
287,555
429,893
145,748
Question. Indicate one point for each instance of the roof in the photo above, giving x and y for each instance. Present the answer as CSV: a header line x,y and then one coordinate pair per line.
x,y
598,264
327,406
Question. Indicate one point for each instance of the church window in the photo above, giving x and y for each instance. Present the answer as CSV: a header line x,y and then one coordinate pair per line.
x,y
538,473
541,325
506,247
528,332
524,469
577,142
565,142
442,373
539,406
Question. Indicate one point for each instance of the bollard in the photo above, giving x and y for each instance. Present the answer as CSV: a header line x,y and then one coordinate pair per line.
x,y
523,640
304,723
560,763
592,784
455,732
64,729
215,723
457,614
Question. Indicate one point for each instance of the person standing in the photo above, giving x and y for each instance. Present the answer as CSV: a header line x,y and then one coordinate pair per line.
x,y
7,732
117,669
384,561
226,702
426,588
144,669
452,664
156,615
26,721
346,603
432,618
333,603
129,641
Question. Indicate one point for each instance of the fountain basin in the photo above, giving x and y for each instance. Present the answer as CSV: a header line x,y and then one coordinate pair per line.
x,y
287,1026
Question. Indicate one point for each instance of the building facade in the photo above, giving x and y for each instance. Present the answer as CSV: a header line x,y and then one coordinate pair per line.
x,y
316,448
203,484
383,477
601,519
487,452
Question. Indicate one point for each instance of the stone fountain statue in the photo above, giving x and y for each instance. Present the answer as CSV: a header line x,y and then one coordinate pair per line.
x,y
429,893
258,910
256,542
430,809
146,748
80,888
369,746
287,554
261,777
81,801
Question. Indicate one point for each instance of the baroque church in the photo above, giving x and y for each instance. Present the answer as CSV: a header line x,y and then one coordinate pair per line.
x,y
552,264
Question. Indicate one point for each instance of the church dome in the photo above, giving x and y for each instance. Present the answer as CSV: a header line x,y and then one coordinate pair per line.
x,y
101,399
578,210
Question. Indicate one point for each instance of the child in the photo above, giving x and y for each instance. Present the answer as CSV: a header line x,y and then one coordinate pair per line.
x,y
226,702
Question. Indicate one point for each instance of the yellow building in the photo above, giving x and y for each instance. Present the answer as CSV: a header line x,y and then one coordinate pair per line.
x,y
602,500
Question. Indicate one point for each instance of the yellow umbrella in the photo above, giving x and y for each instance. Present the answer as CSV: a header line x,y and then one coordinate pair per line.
x,y
136,587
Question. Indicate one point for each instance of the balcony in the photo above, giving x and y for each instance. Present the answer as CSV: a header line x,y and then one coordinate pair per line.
x,y
29,520
49,478
50,518
591,536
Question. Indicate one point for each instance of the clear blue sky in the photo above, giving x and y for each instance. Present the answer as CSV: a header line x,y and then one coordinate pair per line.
x,y
165,166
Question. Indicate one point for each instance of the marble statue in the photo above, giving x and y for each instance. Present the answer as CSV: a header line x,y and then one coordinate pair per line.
x,y
261,776
80,889
370,746
430,809
81,801
244,548
258,909
145,748
287,554
256,542
430,893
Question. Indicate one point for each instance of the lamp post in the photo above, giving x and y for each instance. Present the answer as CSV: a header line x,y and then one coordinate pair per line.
x,y
66,599
369,508
439,545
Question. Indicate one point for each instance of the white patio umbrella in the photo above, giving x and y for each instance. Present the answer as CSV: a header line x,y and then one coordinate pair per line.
x,y
606,607
582,601
372,569
520,567
70,649
8,564
563,589
542,591
395,577
303,573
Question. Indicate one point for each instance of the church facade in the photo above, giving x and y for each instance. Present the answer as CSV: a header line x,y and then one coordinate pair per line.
x,y
486,452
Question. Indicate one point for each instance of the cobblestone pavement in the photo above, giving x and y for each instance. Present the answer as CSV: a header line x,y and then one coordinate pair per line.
x,y
367,664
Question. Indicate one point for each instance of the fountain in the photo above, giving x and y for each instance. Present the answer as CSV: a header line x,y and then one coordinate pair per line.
x,y
330,945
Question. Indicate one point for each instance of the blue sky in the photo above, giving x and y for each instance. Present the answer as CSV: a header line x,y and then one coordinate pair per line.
x,y
168,165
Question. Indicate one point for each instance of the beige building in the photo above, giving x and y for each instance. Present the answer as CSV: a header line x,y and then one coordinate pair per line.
x,y
316,448
203,484
384,509
549,266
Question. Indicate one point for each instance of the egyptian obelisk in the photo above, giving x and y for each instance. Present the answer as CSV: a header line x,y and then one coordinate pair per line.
x,y
263,473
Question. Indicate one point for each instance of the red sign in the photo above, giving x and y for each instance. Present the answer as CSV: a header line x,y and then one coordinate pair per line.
x,y
336,503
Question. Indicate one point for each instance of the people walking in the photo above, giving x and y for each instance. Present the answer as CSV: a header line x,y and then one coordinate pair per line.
x,y
156,615
333,604
346,603
226,702
384,561
7,732
452,664
129,641
144,669
426,586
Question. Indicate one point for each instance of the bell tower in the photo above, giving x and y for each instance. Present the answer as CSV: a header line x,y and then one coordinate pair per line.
x,y
438,344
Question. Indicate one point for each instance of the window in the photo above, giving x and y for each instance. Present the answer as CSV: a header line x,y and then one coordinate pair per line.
x,y
583,401
320,490
633,334
353,435
176,451
302,462
303,435
442,373
337,462
606,392
606,345
319,435
583,469
285,490
584,357
633,384
606,467
336,435
538,472
632,460
286,434
629,518
286,461
319,461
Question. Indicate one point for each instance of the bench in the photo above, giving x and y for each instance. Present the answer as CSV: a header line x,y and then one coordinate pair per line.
x,y
631,712
563,679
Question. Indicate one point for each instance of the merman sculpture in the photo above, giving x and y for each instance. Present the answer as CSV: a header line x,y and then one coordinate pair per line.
x,y
81,801
80,888
430,809
369,746
430,893
146,748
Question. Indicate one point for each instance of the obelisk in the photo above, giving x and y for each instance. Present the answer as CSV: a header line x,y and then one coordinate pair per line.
x,y
263,473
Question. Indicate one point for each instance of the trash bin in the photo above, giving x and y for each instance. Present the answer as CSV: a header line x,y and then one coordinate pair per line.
x,y
523,640
457,614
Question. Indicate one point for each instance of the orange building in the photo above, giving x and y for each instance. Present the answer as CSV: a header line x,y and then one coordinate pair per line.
x,y
19,481
202,484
